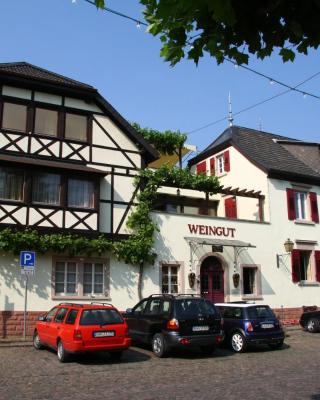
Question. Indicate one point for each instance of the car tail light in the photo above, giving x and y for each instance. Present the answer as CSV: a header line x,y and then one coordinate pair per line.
x,y
184,341
219,339
173,325
77,334
249,327
126,332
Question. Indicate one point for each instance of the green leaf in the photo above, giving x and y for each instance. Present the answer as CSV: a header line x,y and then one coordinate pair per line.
x,y
287,55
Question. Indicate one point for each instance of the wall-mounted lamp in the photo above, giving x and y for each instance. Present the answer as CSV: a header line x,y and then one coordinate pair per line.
x,y
288,246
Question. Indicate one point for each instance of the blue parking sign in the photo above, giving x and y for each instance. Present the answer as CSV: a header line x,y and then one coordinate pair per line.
x,y
27,259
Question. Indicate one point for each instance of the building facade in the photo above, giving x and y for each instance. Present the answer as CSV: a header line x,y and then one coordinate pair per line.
x,y
67,164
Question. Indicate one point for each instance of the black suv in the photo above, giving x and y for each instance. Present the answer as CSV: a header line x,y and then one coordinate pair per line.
x,y
166,321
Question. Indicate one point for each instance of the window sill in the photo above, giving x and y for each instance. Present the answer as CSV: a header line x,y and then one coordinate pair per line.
x,y
308,283
303,222
252,297
221,175
93,298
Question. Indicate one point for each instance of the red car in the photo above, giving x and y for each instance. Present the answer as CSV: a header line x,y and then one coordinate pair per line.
x,y
77,328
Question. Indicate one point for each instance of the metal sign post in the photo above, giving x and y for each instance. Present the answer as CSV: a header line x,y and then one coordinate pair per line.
x,y
25,308
27,264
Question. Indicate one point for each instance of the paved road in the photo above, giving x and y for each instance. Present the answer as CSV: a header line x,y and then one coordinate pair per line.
x,y
291,373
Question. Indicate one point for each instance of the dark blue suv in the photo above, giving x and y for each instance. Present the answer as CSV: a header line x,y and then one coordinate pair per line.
x,y
250,323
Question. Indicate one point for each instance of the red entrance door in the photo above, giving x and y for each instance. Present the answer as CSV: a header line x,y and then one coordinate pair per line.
x,y
212,280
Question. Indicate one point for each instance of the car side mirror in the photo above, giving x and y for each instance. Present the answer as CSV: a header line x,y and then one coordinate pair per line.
x,y
41,318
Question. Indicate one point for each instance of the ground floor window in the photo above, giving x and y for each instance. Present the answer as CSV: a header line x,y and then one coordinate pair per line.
x,y
251,280
305,266
170,278
80,278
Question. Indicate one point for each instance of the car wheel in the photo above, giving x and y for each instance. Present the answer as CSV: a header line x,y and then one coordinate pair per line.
x,y
159,346
313,325
36,341
116,355
238,342
276,345
207,350
61,352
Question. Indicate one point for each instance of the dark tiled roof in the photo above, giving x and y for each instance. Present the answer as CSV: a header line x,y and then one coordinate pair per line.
x,y
263,149
26,70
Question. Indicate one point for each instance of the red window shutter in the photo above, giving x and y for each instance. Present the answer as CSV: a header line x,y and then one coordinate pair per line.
x,y
314,207
230,205
202,168
291,204
295,265
226,157
317,260
212,167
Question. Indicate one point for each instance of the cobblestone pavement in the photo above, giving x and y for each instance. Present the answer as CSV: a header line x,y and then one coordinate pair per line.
x,y
291,373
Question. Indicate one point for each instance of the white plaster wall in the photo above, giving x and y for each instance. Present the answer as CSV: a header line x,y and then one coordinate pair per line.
x,y
123,284
16,92
48,98
277,286
81,104
122,140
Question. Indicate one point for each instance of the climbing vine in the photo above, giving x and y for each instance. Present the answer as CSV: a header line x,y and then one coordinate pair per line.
x,y
136,249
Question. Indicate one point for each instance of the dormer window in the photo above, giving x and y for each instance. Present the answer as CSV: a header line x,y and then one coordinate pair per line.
x,y
14,117
46,122
76,127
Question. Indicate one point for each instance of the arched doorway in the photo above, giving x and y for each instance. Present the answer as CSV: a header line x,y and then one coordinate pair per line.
x,y
212,279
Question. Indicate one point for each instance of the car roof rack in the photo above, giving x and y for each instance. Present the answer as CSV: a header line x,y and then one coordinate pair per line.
x,y
70,304
101,303
189,295
162,295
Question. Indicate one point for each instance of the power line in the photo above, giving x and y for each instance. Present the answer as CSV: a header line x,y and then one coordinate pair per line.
x,y
272,80
119,14
254,105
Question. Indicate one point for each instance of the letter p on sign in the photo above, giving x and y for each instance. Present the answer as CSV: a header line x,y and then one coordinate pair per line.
x,y
27,259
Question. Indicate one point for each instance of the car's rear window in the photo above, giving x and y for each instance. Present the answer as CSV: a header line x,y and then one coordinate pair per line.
x,y
100,317
193,307
260,312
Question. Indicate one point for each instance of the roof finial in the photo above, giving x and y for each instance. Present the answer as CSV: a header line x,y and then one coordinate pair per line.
x,y
230,117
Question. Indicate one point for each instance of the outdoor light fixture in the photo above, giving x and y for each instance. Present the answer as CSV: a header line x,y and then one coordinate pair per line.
x,y
288,246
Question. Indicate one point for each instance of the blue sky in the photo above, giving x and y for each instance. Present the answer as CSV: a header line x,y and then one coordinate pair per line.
x,y
123,63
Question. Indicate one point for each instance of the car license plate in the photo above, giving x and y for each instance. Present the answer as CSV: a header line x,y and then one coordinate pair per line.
x,y
267,326
103,334
200,328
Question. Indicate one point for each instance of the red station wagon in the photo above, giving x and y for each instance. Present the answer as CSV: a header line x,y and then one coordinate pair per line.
x,y
77,328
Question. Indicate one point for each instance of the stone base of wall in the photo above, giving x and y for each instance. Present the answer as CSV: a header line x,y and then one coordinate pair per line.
x,y
291,316
11,323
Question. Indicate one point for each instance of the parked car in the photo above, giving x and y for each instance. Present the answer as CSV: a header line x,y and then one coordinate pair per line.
x,y
246,324
310,320
79,328
169,321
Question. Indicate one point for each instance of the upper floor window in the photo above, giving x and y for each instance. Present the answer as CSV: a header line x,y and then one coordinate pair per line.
x,y
220,165
170,278
14,116
76,127
46,122
302,205
46,189
80,193
11,184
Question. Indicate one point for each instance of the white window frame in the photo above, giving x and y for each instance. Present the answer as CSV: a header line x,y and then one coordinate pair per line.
x,y
180,272
257,285
301,205
79,293
220,164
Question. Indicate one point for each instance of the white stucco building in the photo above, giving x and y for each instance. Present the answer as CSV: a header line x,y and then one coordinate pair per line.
x,y
67,163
